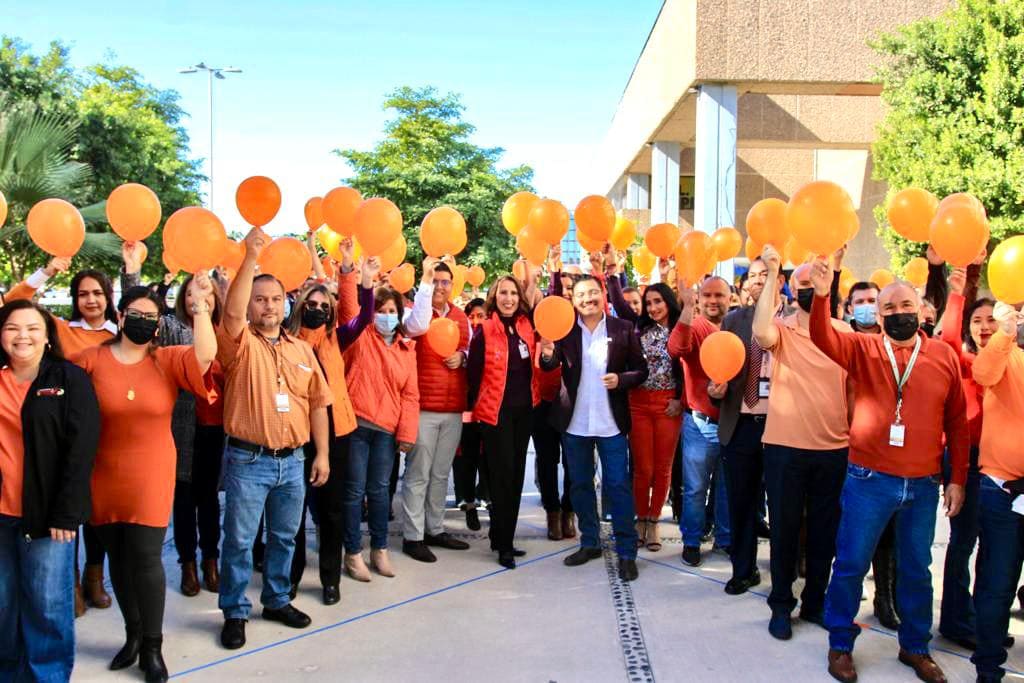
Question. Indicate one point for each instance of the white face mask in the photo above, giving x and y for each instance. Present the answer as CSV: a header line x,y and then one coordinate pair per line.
x,y
386,322
866,314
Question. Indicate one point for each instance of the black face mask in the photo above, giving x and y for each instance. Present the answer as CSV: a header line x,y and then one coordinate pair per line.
x,y
314,318
804,298
928,329
901,326
140,330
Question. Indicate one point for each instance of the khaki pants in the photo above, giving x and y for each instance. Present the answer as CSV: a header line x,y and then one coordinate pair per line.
x,y
425,482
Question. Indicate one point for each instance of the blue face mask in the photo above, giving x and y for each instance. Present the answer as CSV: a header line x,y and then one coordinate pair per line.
x,y
386,322
866,315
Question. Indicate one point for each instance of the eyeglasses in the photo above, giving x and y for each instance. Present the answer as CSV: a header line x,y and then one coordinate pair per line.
x,y
324,306
442,283
139,315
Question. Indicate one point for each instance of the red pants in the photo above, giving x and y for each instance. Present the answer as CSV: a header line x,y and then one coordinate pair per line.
x,y
652,442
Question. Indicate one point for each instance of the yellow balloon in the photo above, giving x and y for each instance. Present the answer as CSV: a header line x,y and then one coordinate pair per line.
x,y
916,271
882,278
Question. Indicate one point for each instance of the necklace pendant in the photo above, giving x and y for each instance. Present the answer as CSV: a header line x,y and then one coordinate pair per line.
x,y
131,394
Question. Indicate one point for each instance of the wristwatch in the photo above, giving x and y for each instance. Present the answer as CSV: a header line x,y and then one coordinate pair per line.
x,y
196,309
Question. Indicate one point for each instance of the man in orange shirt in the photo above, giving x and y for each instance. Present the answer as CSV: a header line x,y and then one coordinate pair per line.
x,y
806,437
275,395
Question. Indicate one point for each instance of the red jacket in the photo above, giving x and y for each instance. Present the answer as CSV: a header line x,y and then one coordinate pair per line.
x,y
442,390
491,392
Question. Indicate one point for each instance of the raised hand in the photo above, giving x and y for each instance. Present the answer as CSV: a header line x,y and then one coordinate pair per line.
x,y
821,277
58,264
958,281
933,256
255,242
429,264
371,267
133,254
772,259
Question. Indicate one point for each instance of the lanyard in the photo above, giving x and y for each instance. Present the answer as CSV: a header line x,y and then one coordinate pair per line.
x,y
901,381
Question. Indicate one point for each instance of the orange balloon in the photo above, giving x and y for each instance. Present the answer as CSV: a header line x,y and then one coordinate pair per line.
x,y
553,318
170,263
752,249
916,271
532,249
328,265
338,209
402,278
589,243
515,214
393,255
623,234
475,276
1004,270
643,260
519,271
3,209
458,281
258,199
821,217
133,211
331,242
661,239
722,356
728,243
145,252
56,227
693,253
443,336
795,253
377,224
232,256
958,233
549,221
314,212
287,259
766,222
911,212
963,199
443,232
882,277
196,238
595,217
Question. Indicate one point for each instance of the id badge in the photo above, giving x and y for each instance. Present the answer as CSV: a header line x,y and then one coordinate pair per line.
x,y
524,350
763,387
282,403
897,435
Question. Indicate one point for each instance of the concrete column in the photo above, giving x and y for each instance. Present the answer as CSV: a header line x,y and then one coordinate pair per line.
x,y
715,173
638,191
665,182
617,196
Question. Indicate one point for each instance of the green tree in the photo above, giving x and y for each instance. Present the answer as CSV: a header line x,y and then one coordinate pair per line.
x,y
954,86
425,160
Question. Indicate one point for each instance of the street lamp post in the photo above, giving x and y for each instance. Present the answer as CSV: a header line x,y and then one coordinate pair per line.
x,y
211,72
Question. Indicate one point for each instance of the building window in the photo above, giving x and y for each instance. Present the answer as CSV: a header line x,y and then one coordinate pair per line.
x,y
686,188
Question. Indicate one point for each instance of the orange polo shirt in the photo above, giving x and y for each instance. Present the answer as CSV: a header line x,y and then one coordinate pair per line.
x,y
12,442
999,368
803,376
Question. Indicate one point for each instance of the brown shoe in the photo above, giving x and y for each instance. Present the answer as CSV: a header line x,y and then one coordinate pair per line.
x,y
189,579
924,666
555,526
92,586
80,606
568,525
211,577
840,666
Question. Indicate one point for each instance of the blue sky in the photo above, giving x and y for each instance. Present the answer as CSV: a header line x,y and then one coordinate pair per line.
x,y
541,79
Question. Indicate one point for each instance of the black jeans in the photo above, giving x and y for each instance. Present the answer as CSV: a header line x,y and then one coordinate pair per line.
x,y
744,473
137,574
506,444
799,479
327,505
469,468
547,443
196,502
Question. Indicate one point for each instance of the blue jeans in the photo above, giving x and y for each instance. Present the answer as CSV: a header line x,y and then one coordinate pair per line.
x,y
37,606
616,485
1000,554
869,500
701,456
371,455
257,485
956,617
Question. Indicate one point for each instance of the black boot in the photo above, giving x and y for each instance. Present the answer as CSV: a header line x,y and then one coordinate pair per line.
x,y
884,568
151,659
129,653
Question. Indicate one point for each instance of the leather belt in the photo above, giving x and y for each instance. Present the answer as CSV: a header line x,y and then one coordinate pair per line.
x,y
697,415
258,449
755,418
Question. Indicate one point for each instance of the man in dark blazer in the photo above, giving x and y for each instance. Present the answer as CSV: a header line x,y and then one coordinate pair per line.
x,y
601,360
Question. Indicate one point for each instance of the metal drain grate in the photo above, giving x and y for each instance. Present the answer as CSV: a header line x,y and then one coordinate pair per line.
x,y
631,636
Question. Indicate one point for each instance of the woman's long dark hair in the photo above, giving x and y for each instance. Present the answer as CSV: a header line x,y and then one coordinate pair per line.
x,y
131,295
671,302
968,339
491,304
294,322
105,285
54,350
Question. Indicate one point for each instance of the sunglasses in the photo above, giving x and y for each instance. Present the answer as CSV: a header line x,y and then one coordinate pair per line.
x,y
139,315
312,306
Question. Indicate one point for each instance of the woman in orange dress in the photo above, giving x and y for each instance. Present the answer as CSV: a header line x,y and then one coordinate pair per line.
x,y
137,384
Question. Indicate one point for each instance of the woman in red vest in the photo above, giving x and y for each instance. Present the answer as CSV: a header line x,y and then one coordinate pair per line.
x,y
503,391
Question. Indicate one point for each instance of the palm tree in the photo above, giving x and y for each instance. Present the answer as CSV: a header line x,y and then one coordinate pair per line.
x,y
35,164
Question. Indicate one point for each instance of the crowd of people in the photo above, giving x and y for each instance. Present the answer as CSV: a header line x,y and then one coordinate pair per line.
x,y
847,424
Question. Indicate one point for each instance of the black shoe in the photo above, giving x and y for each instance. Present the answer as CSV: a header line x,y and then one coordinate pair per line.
x,y
472,519
627,569
332,596
582,556
287,615
780,626
507,560
232,636
445,540
813,617
151,660
691,555
516,552
418,551
740,586
127,655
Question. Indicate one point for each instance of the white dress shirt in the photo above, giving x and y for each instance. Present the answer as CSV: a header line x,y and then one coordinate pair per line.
x,y
592,415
